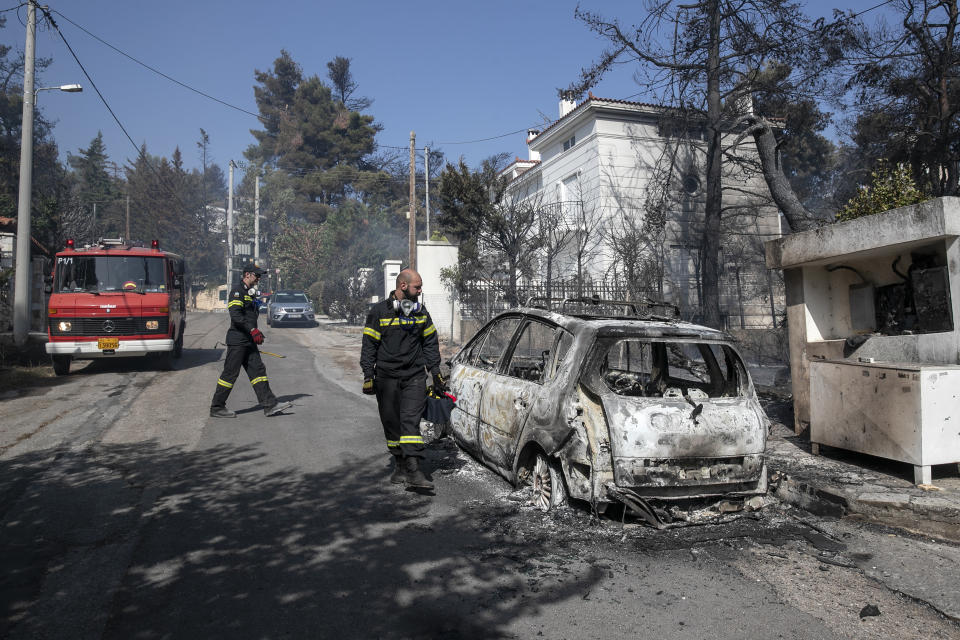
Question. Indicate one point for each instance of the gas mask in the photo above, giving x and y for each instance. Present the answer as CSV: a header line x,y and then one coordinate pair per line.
x,y
408,306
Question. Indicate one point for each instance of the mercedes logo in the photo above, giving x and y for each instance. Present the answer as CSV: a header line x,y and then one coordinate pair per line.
x,y
108,326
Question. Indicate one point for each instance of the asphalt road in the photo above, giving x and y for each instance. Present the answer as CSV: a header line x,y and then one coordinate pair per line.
x,y
126,512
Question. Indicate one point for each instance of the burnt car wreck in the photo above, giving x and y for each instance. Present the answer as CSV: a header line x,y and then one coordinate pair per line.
x,y
604,402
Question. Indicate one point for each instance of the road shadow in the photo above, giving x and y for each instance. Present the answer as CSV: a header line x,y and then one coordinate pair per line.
x,y
135,541
18,382
191,358
290,397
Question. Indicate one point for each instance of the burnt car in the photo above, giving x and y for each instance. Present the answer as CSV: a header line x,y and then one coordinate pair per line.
x,y
608,402
289,308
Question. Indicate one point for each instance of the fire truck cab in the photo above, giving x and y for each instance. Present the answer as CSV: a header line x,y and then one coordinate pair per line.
x,y
113,300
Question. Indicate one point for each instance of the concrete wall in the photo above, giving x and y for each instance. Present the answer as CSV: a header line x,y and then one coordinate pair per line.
x,y
209,299
391,268
441,302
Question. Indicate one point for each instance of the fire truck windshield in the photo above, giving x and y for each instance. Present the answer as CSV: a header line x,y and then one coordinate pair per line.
x,y
97,274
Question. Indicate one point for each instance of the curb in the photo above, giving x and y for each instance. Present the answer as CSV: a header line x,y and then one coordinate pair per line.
x,y
828,486
925,515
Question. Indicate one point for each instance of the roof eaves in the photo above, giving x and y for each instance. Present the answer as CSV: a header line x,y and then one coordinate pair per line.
x,y
533,167
593,100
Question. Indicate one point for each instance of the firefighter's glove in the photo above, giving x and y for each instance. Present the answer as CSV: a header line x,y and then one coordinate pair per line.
x,y
257,336
439,383
368,386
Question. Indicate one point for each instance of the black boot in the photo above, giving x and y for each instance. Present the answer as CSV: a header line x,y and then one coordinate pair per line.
x,y
415,477
276,408
397,476
221,412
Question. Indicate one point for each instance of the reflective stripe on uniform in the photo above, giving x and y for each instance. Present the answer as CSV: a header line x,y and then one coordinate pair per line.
x,y
257,380
392,443
224,383
411,439
429,330
235,303
399,322
373,333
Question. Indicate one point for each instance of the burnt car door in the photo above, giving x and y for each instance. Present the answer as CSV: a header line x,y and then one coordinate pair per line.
x,y
509,397
680,412
470,370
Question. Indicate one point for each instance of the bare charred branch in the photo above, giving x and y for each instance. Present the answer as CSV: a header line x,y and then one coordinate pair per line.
x,y
796,214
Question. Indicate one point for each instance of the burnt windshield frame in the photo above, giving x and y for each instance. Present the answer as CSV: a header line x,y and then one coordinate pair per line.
x,y
732,382
497,325
544,370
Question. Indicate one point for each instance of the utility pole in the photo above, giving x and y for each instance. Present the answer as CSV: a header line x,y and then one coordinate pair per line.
x,y
127,236
426,176
21,283
256,221
93,227
230,230
412,260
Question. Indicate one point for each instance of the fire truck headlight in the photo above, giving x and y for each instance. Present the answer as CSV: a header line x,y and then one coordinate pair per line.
x,y
65,326
153,325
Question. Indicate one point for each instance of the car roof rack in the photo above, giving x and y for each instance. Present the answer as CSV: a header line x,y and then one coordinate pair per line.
x,y
645,309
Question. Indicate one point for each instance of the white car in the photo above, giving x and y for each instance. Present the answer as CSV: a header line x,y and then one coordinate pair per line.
x,y
290,308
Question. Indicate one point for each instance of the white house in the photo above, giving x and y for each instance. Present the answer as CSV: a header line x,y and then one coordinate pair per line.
x,y
609,169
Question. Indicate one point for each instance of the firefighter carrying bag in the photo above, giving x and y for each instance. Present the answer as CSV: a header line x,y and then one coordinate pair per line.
x,y
438,407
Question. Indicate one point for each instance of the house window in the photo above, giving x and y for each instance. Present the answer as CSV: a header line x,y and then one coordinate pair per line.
x,y
569,143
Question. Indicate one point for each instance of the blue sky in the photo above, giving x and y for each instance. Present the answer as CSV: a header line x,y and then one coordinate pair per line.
x,y
453,72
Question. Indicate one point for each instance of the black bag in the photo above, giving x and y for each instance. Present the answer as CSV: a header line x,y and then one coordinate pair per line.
x,y
438,407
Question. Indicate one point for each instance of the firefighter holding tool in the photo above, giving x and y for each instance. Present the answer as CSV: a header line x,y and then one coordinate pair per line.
x,y
399,343
243,336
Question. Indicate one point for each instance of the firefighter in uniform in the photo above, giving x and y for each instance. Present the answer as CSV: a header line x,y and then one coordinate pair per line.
x,y
399,341
242,340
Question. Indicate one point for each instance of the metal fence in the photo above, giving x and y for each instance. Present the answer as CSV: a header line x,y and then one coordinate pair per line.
x,y
754,301
481,300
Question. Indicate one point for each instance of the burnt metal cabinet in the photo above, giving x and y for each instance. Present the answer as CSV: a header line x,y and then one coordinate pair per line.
x,y
902,411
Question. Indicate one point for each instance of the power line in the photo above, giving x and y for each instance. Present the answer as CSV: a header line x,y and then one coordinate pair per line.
x,y
263,119
140,152
224,102
857,15
157,71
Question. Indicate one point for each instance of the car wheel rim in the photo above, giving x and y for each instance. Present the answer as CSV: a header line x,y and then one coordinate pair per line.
x,y
542,484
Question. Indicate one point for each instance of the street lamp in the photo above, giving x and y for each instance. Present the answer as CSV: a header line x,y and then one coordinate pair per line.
x,y
21,293
67,88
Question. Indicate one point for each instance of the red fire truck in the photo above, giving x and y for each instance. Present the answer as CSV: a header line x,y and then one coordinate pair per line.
x,y
113,300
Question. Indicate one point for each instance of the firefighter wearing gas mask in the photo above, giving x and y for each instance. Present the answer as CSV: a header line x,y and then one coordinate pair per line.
x,y
399,344
243,336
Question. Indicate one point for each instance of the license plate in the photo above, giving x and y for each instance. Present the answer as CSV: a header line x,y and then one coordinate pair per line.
x,y
108,343
293,315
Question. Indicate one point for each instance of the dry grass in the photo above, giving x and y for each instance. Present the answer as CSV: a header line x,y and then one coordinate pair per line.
x,y
20,377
